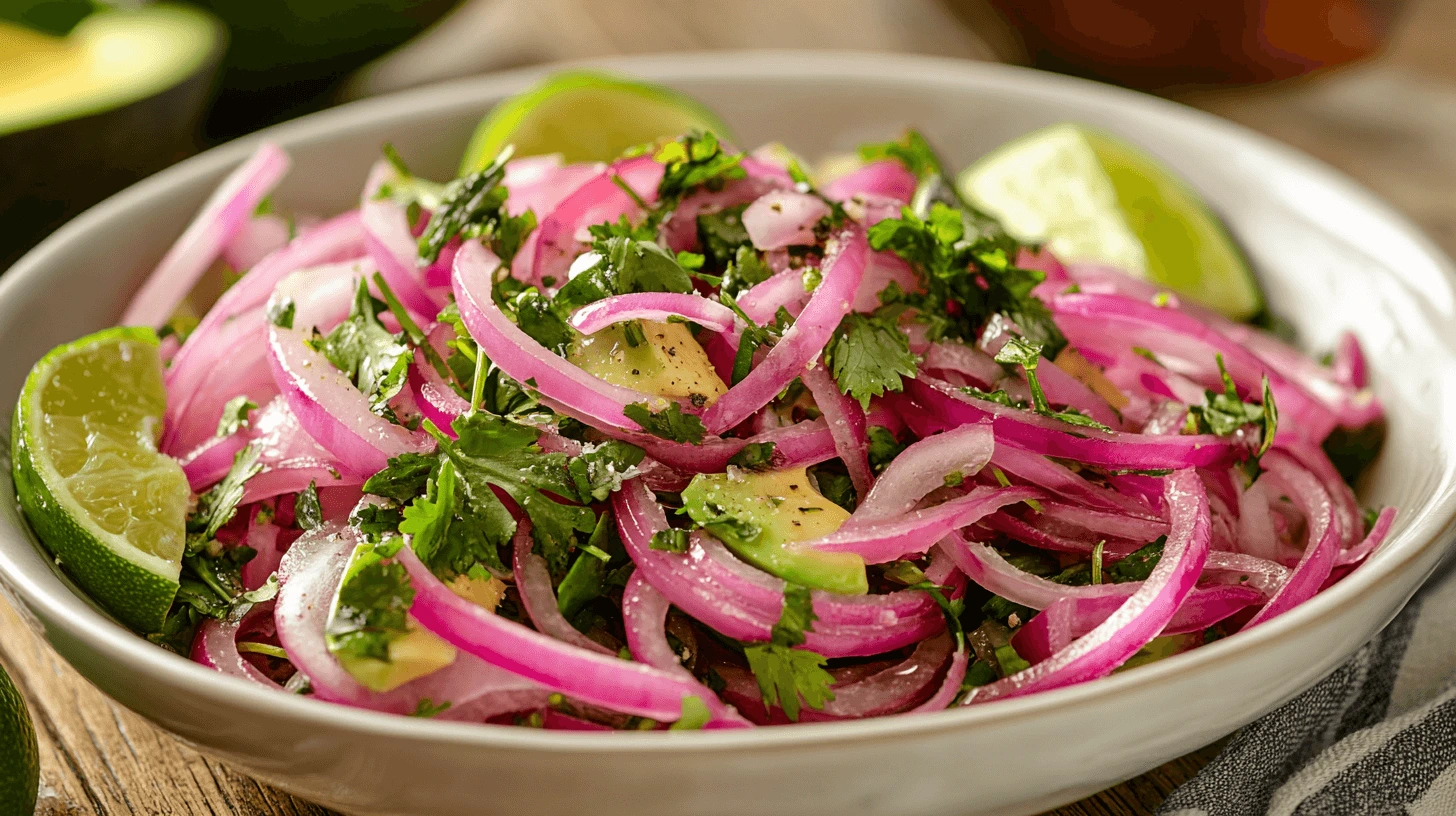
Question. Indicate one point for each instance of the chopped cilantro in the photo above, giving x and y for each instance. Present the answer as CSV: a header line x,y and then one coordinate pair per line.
x,y
1009,661
722,235
235,415
473,206
1222,414
883,448
693,161
670,540
744,271
754,456
868,356
786,674
307,512
619,265
600,469
670,423
372,357
427,708
1137,565
1027,354
836,487
372,606
281,313
217,506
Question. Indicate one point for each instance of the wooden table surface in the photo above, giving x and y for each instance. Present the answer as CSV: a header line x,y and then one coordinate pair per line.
x,y
1387,123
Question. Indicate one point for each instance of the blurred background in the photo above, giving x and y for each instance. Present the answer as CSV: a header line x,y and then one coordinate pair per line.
x,y
95,95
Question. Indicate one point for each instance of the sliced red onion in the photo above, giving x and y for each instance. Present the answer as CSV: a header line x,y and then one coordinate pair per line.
x,y
680,230
653,306
886,540
783,218
1056,478
216,646
310,575
562,234
438,401
332,411
846,425
923,467
260,236
801,344
1062,389
974,364
1378,531
784,290
1175,336
533,581
540,183
594,400
1141,617
221,218
883,269
1120,525
950,687
262,537
644,614
1323,543
592,677
885,177
392,245
744,603
1350,369
1045,262
1050,437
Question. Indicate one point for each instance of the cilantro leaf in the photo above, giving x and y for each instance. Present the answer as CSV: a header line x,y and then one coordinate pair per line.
x,y
670,423
619,265
869,356
786,674
1028,354
282,312
695,160
754,456
373,358
884,447
452,532
600,470
670,540
306,509
427,708
403,478
836,487
1137,565
218,505
1223,414
723,237
235,415
372,607
473,206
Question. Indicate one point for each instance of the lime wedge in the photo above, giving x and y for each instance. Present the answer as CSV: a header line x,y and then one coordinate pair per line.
x,y
19,755
586,116
84,446
1093,197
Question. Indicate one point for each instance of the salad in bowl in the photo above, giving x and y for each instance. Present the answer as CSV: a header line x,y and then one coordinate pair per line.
x,y
639,428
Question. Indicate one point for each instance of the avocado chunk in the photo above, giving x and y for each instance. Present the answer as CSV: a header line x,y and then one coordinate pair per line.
x,y
762,516
669,364
84,115
412,655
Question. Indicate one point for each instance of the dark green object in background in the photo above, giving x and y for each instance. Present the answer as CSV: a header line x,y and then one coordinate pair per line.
x,y
19,754
289,57
65,150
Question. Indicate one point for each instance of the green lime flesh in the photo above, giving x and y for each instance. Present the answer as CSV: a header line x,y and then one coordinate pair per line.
x,y
110,508
1095,198
586,116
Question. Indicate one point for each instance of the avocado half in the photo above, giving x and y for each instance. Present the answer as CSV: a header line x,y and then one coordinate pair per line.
x,y
84,115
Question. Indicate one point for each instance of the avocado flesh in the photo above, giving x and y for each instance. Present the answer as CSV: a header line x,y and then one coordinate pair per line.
x,y
411,656
762,516
670,364
62,153
112,58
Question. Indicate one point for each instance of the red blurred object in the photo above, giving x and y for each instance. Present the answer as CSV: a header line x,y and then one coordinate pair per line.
x,y
1162,43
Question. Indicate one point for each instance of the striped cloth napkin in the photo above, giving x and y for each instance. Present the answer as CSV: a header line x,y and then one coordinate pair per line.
x,y
1377,736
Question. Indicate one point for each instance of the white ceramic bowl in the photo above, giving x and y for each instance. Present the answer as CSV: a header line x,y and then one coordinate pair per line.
x,y
1332,257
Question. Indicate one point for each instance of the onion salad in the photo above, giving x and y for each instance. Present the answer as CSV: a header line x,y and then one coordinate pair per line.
x,y
691,438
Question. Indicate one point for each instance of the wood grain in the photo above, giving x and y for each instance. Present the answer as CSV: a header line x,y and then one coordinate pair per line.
x,y
1388,124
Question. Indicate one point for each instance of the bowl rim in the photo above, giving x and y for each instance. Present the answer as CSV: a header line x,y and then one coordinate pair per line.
x,y
98,633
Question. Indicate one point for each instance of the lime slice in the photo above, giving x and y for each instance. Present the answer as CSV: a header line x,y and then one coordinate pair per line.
x,y
586,116
84,445
1093,197
19,755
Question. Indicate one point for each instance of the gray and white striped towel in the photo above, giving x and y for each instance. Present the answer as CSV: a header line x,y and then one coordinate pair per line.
x,y
1376,737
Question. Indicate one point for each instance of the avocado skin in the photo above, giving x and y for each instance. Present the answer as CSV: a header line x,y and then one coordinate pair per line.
x,y
50,174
